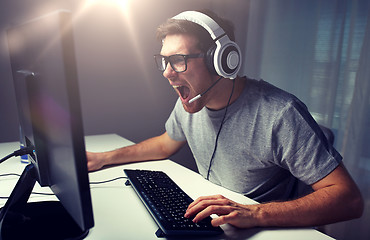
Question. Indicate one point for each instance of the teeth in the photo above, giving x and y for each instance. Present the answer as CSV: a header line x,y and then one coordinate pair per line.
x,y
182,90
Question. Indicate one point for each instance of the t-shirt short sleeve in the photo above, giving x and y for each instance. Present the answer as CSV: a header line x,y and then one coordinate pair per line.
x,y
303,150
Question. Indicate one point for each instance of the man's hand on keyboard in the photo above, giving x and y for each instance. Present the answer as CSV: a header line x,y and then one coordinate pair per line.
x,y
238,215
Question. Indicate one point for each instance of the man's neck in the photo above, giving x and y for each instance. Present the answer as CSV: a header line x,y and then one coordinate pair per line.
x,y
222,94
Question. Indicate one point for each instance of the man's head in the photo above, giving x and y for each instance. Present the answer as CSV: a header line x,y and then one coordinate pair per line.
x,y
222,54
185,45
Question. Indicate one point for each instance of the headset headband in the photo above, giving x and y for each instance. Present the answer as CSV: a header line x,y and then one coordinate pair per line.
x,y
203,20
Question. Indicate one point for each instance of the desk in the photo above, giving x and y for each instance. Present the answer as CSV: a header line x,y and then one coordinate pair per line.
x,y
119,213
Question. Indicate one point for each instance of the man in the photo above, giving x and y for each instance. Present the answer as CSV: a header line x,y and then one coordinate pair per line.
x,y
246,135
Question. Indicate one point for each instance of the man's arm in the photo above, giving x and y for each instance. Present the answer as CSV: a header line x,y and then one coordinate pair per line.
x,y
335,198
155,148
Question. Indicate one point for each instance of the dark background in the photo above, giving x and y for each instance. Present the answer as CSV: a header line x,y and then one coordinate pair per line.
x,y
121,90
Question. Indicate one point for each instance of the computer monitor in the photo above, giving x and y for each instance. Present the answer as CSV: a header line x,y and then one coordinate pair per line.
x,y
45,78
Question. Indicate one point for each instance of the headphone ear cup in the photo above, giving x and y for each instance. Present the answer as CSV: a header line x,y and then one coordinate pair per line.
x,y
227,58
209,59
223,60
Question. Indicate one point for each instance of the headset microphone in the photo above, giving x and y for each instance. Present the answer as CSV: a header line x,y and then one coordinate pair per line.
x,y
201,94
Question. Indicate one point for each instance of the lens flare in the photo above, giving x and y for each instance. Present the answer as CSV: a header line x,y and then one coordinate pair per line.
x,y
120,3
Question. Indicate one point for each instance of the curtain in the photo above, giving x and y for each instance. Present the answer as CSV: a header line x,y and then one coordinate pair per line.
x,y
320,51
355,141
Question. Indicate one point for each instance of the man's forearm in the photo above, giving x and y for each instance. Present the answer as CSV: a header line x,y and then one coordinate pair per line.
x,y
146,150
155,148
327,205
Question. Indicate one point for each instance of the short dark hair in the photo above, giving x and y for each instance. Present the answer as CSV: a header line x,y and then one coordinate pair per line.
x,y
174,26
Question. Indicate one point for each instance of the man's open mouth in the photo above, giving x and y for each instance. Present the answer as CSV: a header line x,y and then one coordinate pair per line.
x,y
183,91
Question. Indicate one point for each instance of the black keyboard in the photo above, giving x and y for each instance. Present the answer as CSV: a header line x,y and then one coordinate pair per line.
x,y
167,203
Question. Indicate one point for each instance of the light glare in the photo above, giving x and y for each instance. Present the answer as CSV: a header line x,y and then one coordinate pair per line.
x,y
121,3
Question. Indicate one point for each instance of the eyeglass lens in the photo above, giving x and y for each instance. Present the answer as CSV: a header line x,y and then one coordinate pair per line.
x,y
177,62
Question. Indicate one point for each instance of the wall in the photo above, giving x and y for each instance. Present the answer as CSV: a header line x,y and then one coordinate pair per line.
x,y
121,90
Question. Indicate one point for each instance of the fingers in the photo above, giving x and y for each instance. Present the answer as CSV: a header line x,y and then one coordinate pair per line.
x,y
206,198
214,209
203,202
228,211
206,206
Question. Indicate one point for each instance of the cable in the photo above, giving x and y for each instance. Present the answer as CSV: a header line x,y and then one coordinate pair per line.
x,y
46,194
10,174
106,181
20,152
18,175
110,180
51,194
37,193
7,157
219,130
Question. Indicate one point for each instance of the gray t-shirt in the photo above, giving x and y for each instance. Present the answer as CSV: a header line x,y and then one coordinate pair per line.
x,y
268,148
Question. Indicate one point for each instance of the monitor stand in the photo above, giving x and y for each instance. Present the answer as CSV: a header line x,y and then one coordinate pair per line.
x,y
36,220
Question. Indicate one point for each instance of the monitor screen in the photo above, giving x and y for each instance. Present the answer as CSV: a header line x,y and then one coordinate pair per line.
x,y
45,78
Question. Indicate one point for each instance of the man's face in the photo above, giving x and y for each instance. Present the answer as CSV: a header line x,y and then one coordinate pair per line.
x,y
195,79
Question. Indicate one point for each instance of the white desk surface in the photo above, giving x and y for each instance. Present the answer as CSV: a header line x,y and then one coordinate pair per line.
x,y
119,213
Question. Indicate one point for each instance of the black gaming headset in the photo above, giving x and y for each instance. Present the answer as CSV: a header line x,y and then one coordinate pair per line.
x,y
224,58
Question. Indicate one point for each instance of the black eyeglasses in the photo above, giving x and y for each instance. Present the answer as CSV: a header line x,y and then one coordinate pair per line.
x,y
178,62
